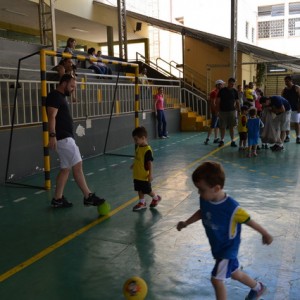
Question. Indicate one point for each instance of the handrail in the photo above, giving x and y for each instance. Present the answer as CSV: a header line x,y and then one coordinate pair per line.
x,y
195,102
179,71
187,80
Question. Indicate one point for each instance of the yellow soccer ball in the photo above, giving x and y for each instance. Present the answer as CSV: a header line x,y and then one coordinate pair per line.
x,y
135,288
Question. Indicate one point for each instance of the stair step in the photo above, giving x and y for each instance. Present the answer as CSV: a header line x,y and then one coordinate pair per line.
x,y
191,121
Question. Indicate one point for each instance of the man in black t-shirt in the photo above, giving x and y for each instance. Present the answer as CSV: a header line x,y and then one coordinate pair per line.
x,y
61,139
227,106
292,94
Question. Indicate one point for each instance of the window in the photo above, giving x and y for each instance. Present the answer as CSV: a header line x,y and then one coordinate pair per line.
x,y
247,29
270,29
252,35
271,10
294,27
294,8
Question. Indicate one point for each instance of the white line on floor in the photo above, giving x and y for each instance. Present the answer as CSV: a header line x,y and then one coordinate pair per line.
x,y
39,192
20,199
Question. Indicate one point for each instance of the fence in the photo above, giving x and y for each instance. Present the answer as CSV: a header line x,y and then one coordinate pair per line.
x,y
94,98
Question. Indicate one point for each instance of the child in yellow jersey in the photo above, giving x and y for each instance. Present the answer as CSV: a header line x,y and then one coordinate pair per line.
x,y
142,169
242,127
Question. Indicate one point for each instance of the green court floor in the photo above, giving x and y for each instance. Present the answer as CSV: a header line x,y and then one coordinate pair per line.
x,y
53,254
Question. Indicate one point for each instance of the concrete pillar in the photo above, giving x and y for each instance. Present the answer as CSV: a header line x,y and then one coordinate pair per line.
x,y
110,40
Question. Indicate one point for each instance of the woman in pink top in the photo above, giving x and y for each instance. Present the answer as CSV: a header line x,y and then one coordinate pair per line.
x,y
160,114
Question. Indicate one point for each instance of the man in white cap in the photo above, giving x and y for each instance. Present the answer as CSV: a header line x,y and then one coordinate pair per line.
x,y
214,115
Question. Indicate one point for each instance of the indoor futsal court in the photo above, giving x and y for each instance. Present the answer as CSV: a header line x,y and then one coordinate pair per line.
x,y
72,253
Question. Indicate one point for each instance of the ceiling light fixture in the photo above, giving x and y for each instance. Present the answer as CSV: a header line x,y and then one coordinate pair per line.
x,y
15,12
80,30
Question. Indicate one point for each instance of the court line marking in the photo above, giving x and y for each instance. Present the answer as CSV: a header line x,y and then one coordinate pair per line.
x,y
62,242
82,230
20,199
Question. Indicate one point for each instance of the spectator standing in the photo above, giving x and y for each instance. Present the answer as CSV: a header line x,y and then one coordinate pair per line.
x,y
222,217
227,105
61,139
143,78
144,82
281,114
254,124
143,169
292,94
258,106
160,114
214,115
241,95
250,95
269,133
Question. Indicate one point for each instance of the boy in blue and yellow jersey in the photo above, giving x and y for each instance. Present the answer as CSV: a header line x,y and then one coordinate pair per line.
x,y
222,218
142,169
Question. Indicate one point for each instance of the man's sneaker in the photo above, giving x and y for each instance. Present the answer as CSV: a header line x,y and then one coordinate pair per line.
x,y
221,143
274,147
297,140
139,206
233,144
155,202
93,200
254,295
278,148
287,139
206,142
60,203
216,141
266,146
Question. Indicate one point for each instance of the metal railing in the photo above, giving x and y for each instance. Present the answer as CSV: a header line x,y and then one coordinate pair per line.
x,y
195,102
94,98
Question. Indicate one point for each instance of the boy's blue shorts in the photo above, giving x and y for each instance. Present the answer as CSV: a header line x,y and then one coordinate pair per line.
x,y
224,268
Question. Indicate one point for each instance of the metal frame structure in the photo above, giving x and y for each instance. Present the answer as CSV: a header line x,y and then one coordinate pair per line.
x,y
122,29
43,54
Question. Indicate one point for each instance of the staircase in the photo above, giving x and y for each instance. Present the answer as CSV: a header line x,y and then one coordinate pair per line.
x,y
191,121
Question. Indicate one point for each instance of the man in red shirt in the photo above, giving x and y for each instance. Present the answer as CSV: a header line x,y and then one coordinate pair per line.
x,y
214,115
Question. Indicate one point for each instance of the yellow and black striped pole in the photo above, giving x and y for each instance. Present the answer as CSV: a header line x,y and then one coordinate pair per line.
x,y
47,184
136,102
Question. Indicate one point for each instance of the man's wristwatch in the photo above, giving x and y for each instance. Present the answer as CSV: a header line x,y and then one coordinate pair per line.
x,y
52,134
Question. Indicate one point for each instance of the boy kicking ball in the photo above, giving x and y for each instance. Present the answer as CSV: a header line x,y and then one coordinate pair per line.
x,y
222,218
142,169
